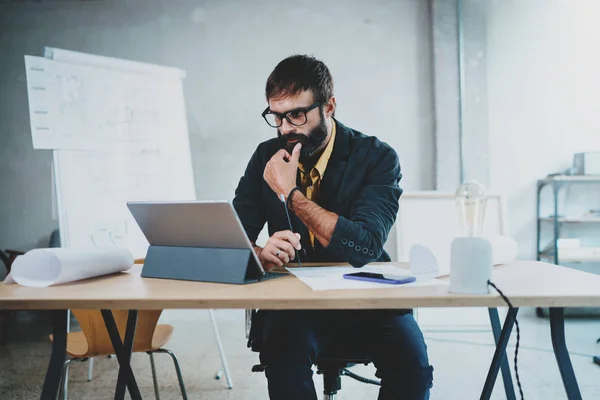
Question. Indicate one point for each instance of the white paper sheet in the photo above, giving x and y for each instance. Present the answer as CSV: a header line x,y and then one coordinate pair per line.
x,y
53,266
331,278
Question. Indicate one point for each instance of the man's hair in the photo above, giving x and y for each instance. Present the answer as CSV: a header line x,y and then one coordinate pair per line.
x,y
299,73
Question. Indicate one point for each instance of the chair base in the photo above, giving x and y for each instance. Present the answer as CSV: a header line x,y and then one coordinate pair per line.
x,y
332,370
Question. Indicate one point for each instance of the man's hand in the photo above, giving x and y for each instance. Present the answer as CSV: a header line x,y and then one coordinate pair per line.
x,y
280,171
279,249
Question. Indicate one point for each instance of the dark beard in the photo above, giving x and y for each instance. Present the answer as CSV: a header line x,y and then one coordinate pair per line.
x,y
310,143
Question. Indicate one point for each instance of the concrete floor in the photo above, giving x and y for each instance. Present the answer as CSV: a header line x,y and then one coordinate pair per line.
x,y
460,360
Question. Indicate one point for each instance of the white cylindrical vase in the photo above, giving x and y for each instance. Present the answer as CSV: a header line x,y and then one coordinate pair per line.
x,y
470,265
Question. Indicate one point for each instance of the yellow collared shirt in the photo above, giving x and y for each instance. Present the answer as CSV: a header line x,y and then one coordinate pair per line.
x,y
313,185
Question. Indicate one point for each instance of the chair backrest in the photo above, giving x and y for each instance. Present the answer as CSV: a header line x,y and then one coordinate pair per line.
x,y
98,340
9,258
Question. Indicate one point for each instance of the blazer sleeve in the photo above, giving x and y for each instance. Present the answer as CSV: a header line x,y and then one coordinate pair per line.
x,y
248,201
359,239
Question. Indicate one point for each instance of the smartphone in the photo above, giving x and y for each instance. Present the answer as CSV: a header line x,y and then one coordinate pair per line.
x,y
382,278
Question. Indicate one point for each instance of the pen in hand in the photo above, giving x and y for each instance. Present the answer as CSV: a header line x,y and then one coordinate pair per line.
x,y
287,213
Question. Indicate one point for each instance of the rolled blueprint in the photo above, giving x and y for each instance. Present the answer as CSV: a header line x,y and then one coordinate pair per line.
x,y
53,266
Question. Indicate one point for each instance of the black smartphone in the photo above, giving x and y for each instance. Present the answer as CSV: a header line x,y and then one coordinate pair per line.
x,y
392,279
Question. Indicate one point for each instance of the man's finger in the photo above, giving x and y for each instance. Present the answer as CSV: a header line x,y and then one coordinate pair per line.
x,y
271,258
285,257
280,249
282,246
296,152
283,154
291,237
276,244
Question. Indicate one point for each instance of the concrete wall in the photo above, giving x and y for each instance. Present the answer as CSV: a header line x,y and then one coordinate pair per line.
x,y
460,92
543,73
378,52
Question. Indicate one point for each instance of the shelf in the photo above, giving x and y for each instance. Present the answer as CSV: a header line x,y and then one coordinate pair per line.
x,y
571,178
572,258
573,220
567,252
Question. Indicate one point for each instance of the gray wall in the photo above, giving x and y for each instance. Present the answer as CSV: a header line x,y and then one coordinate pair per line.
x,y
379,53
543,71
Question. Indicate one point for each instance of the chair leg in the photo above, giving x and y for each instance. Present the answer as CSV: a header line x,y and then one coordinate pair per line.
x,y
177,369
221,351
63,385
63,380
154,380
90,369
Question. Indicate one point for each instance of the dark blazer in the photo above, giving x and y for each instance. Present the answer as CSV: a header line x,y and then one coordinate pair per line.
x,y
360,184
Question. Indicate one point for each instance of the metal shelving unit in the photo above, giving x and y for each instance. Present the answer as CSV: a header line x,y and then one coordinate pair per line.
x,y
556,221
557,182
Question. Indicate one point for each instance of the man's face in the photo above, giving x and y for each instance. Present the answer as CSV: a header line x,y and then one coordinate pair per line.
x,y
312,134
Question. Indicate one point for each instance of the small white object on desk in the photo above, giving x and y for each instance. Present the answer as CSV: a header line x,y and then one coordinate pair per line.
x,y
53,266
332,278
470,265
469,258
472,256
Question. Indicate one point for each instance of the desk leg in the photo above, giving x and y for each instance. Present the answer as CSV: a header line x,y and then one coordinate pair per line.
x,y
499,354
557,330
123,353
58,357
509,388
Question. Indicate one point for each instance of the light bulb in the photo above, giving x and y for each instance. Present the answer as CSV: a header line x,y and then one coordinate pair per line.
x,y
471,198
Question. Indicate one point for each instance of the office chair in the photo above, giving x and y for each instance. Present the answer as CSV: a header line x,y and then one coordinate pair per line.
x,y
93,341
331,366
8,257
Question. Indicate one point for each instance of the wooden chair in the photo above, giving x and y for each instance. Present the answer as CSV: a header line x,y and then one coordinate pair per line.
x,y
93,340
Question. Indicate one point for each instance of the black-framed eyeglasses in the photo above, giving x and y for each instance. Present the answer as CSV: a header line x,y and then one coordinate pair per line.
x,y
296,117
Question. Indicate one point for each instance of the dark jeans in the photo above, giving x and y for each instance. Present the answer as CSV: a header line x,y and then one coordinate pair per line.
x,y
292,341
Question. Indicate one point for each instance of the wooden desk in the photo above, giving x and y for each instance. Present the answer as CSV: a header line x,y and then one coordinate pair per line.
x,y
525,283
